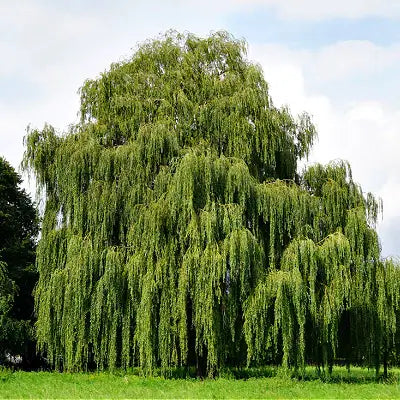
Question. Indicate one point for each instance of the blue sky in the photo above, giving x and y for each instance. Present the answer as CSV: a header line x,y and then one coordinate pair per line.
x,y
336,60
260,26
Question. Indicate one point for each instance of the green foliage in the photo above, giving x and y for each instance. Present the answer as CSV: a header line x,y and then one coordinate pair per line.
x,y
7,290
178,232
18,229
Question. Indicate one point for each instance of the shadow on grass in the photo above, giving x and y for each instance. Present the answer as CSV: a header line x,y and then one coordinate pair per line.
x,y
340,374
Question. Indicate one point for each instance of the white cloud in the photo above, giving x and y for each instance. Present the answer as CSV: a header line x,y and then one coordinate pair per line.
x,y
317,9
348,58
389,233
340,60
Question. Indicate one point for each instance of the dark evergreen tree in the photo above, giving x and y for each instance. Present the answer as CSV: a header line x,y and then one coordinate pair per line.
x,y
178,232
18,231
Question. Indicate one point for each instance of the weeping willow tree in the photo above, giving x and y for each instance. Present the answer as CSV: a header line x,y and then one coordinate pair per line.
x,y
177,231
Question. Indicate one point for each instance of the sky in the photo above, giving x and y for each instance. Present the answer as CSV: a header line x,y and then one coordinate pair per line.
x,y
338,61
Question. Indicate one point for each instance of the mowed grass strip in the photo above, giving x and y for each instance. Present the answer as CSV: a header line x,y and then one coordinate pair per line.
x,y
50,385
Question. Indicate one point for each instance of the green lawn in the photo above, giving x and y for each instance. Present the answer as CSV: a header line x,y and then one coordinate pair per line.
x,y
359,384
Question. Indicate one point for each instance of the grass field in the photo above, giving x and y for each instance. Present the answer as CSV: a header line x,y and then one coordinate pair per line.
x,y
360,383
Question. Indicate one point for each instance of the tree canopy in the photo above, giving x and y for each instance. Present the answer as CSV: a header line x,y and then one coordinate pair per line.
x,y
18,231
178,231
